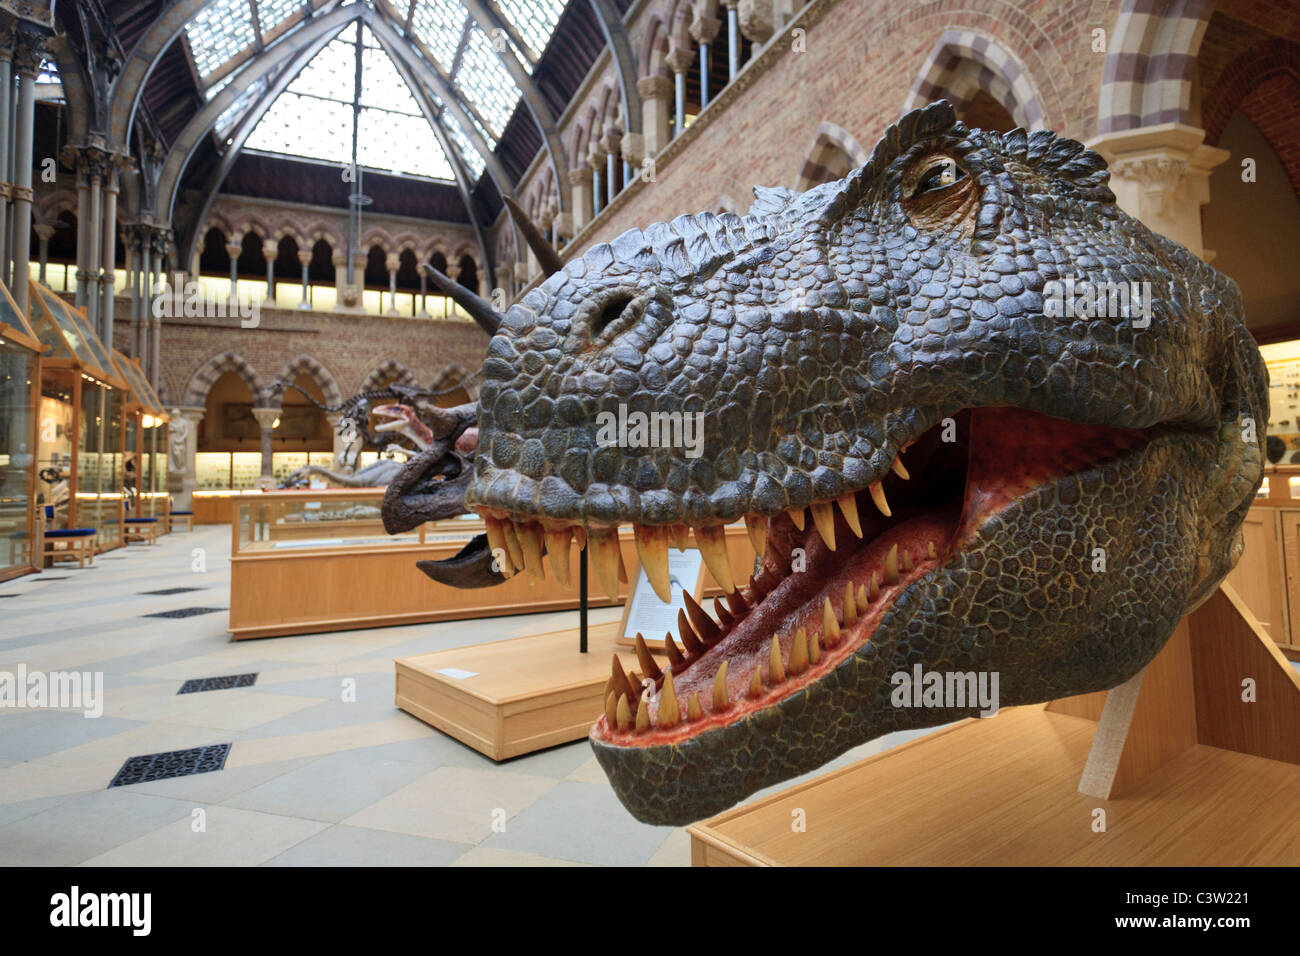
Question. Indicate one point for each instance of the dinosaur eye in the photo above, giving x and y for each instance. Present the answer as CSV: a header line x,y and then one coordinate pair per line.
x,y
939,176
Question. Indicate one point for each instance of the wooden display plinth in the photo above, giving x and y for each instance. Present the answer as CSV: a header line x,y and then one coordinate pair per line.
x,y
525,694
1186,771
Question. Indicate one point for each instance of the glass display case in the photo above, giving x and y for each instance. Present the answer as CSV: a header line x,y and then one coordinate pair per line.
x,y
19,396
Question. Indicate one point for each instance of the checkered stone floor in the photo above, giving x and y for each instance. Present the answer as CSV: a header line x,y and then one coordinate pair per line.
x,y
321,768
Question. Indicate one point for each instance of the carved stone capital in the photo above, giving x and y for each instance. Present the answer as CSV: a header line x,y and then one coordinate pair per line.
x,y
756,19
680,58
580,177
654,88
452,271
234,249
304,257
270,249
705,29
266,417
22,194
29,50
633,148
392,262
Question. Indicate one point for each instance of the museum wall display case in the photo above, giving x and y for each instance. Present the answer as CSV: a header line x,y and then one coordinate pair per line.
x,y
319,560
144,478
80,451
20,359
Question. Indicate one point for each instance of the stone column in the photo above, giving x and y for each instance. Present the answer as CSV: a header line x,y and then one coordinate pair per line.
x,y
612,142
161,242
424,293
679,61
82,168
580,181
44,233
656,114
196,268
234,250
504,271
452,273
1161,176
596,161
27,60
6,145
304,259
266,418
145,305
392,262
94,234
108,284
340,260
132,243
733,39
703,31
270,252
484,282
183,446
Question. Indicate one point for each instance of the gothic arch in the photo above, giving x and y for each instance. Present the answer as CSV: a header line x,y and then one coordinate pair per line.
x,y
386,374
196,393
964,62
1151,63
306,365
831,155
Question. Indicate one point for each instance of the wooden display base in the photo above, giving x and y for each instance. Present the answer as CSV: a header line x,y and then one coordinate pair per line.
x,y
526,694
1193,774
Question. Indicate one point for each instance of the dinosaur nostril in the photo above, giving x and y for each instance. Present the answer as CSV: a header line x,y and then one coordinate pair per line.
x,y
612,312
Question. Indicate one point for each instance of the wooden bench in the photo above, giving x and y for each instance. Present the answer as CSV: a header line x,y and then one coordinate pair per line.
x,y
176,517
79,543
141,529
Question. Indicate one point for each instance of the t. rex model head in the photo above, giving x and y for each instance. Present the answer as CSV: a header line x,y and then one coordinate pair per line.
x,y
1027,429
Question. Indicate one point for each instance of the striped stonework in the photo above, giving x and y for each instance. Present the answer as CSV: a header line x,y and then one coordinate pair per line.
x,y
196,393
318,373
964,62
391,372
1150,63
832,154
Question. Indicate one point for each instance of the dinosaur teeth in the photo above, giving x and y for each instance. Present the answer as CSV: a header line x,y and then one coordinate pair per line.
x,y
611,710
830,626
712,541
623,713
930,552
814,649
679,536
693,709
669,713
675,657
606,560
898,469
824,517
776,670
756,682
705,626
891,566
849,505
720,699
907,560
652,548
874,592
796,516
557,552
496,536
850,605
798,652
723,615
642,719
757,528
646,659
513,548
862,594
530,541
878,496
694,647
739,606
622,683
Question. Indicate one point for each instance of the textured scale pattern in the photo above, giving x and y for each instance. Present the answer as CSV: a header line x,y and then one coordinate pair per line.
x,y
824,331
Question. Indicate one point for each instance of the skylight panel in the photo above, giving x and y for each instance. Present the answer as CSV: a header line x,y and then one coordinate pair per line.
x,y
271,13
236,109
332,72
219,31
470,156
439,24
533,20
305,126
485,82
382,86
400,143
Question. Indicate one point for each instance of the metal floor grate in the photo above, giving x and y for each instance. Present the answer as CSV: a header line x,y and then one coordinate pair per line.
x,y
199,684
174,763
187,612
172,591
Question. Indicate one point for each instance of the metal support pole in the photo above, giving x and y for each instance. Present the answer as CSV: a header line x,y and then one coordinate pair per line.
x,y
704,76
733,44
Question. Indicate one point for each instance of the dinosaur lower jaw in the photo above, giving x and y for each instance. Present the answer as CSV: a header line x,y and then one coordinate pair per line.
x,y
811,605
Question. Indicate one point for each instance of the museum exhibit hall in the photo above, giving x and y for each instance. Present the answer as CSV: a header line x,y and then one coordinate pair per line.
x,y
672,433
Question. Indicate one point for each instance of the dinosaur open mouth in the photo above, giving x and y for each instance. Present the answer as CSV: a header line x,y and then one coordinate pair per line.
x,y
825,580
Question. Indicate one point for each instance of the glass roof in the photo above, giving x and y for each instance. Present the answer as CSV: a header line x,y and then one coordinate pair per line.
x,y
312,118
304,121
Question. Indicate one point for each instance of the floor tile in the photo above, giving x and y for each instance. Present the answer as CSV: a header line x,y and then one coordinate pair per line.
x,y
330,788
230,838
358,846
84,826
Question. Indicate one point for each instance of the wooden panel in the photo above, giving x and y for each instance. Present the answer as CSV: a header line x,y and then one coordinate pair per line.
x,y
1260,577
525,694
1227,648
1001,791
1088,706
212,510
303,591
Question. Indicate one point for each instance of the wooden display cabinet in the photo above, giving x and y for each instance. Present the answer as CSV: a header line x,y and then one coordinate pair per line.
x,y
1268,575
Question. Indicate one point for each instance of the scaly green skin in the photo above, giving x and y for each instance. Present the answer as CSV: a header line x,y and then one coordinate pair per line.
x,y
826,330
